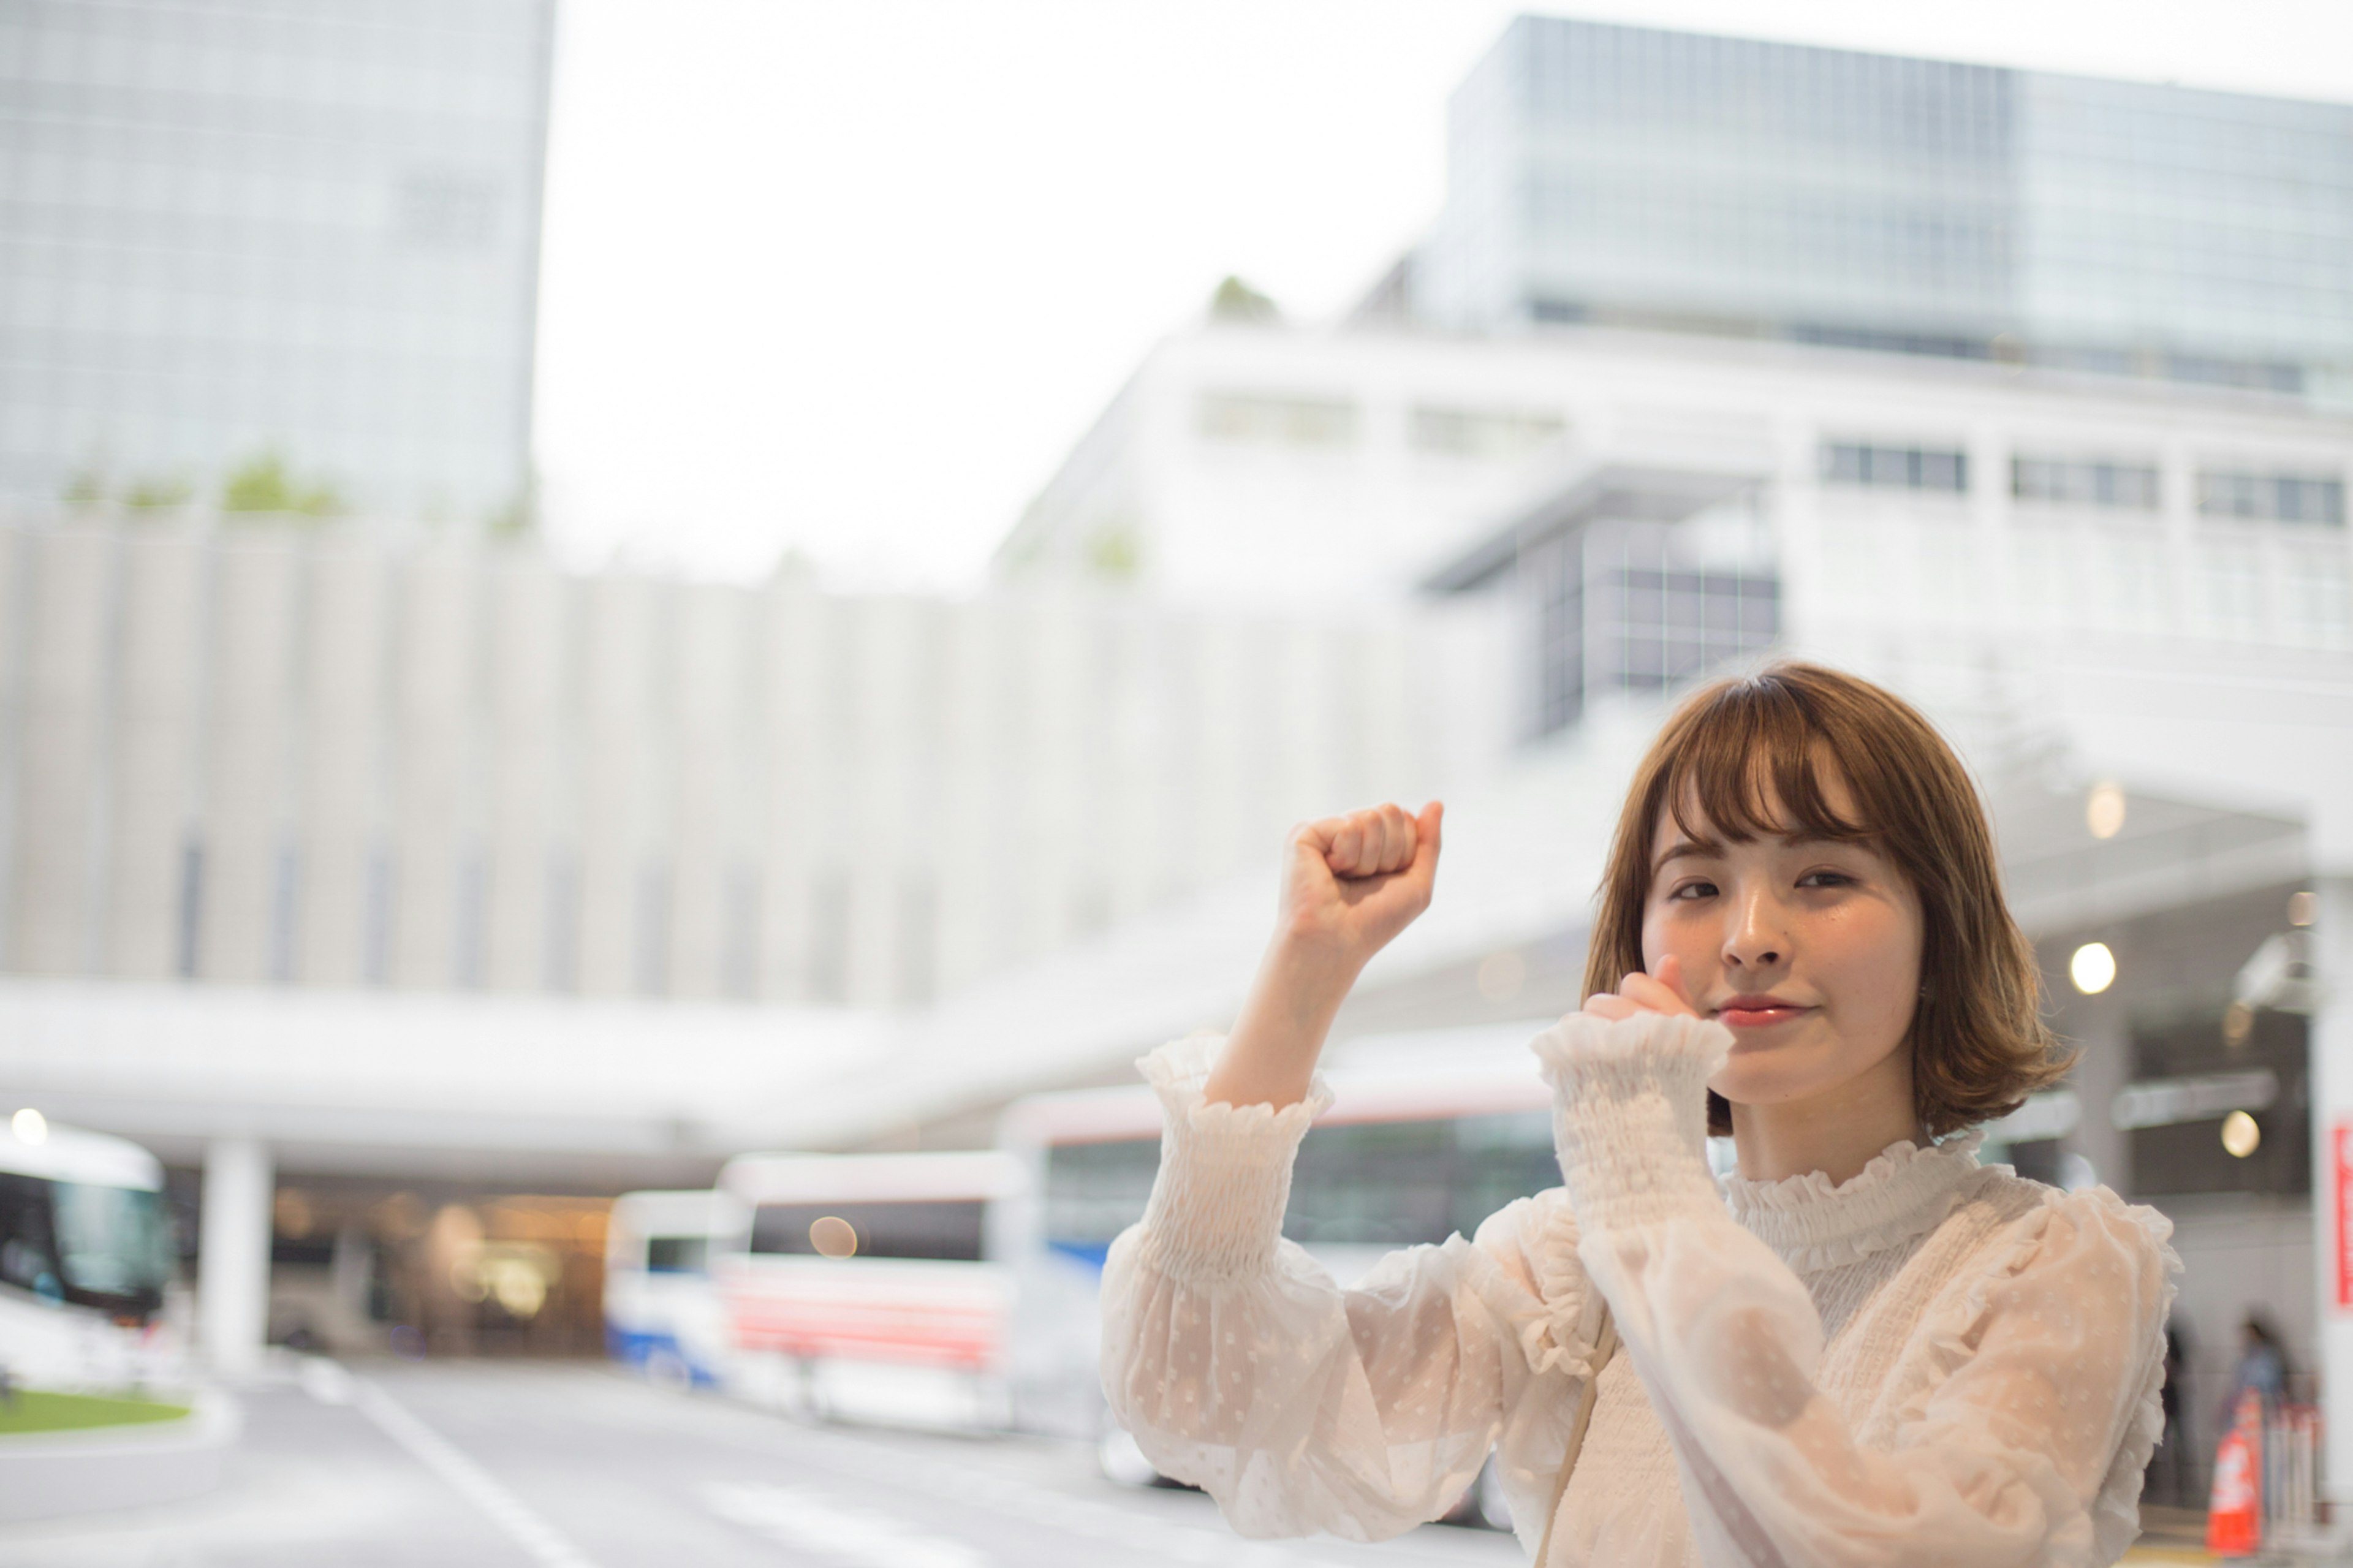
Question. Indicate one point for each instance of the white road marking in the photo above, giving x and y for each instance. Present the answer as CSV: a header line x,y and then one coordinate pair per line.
x,y
800,1518
1013,1498
522,1523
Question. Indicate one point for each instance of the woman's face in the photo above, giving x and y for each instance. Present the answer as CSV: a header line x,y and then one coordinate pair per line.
x,y
1808,950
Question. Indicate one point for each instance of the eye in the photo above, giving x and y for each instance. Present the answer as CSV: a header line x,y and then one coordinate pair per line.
x,y
1826,879
1688,892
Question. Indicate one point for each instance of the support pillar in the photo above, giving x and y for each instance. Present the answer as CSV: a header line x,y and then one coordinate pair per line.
x,y
233,1261
2331,951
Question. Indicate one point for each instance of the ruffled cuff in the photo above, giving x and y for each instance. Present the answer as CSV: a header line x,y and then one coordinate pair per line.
x,y
1630,1114
1215,1212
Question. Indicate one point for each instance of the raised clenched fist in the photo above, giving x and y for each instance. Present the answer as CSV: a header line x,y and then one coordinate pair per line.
x,y
1351,883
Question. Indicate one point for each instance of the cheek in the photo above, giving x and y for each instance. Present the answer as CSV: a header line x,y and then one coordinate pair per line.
x,y
1663,934
1869,958
1695,940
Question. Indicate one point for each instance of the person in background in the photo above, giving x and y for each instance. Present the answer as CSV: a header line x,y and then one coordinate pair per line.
x,y
2262,1367
1863,1348
2170,1474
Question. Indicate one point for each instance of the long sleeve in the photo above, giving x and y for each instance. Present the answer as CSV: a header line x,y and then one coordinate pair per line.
x,y
2039,1374
1240,1365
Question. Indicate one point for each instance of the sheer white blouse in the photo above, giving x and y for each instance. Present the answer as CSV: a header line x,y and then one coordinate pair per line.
x,y
1935,1362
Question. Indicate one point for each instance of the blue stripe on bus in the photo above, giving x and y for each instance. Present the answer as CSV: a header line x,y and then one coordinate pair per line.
x,y
634,1347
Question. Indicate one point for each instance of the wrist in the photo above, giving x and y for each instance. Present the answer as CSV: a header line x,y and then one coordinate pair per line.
x,y
1630,1114
1271,1055
1310,964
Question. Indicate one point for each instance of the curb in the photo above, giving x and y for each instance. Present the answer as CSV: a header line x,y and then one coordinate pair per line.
x,y
48,1475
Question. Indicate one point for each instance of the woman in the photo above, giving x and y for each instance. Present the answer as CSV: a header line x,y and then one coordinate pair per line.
x,y
1865,1347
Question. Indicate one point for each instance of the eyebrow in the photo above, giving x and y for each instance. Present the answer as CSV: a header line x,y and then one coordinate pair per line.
x,y
1684,848
1705,848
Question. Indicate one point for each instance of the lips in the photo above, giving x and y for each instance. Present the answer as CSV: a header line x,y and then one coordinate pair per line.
x,y
1758,1012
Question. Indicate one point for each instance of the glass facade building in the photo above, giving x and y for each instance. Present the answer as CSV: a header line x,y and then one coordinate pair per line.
x,y
1615,173
240,229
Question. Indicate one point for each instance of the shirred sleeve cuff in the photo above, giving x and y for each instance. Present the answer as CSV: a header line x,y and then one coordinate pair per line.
x,y
1630,1114
1216,1211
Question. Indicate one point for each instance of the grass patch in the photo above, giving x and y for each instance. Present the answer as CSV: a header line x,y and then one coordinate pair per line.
x,y
33,1411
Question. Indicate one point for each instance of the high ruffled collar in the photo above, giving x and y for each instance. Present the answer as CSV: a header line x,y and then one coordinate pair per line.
x,y
1814,1223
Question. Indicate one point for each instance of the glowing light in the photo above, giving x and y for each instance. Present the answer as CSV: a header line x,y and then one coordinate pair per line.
x,y
2238,1023
2241,1134
2093,969
2302,906
834,1237
29,1126
2103,809
1501,975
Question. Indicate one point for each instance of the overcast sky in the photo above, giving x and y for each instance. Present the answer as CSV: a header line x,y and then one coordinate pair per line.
x,y
850,278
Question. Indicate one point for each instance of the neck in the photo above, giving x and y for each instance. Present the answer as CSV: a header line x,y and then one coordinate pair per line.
x,y
1837,1131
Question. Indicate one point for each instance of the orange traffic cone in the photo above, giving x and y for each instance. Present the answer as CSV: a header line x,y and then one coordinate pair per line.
x,y
2235,1512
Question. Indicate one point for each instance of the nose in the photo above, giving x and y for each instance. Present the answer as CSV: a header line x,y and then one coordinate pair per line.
x,y
1756,936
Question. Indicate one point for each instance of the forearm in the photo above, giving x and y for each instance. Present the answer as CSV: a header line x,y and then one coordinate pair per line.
x,y
1271,1055
1240,1366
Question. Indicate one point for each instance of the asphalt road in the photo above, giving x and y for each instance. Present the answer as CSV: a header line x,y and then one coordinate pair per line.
x,y
502,1464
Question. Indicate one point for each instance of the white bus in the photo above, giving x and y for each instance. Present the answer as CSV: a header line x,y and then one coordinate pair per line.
x,y
86,1262
857,1286
662,1315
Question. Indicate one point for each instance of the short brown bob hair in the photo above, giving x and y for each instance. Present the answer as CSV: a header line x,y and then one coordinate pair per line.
x,y
1738,746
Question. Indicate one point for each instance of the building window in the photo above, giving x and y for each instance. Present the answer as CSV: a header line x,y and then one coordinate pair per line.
x,y
285,912
1484,433
471,957
652,954
1622,607
919,937
191,909
561,949
2271,497
2078,481
740,963
1896,468
376,913
1254,419
828,937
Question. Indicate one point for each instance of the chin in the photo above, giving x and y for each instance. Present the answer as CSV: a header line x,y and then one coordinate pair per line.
x,y
1753,1088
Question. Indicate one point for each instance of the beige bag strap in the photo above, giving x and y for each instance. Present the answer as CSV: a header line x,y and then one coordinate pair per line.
x,y
1605,1345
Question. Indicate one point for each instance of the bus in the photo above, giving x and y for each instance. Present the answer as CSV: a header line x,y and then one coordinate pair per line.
x,y
859,1287
87,1262
661,1315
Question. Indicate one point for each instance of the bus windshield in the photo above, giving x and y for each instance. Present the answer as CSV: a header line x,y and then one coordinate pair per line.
x,y
112,1241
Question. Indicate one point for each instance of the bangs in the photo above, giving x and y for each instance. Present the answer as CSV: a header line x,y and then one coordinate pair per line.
x,y
1753,763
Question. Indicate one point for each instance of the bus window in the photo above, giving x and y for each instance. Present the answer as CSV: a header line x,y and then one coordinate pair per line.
x,y
113,1244
1376,1184
1094,1191
27,1257
678,1254
947,1229
1500,1158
